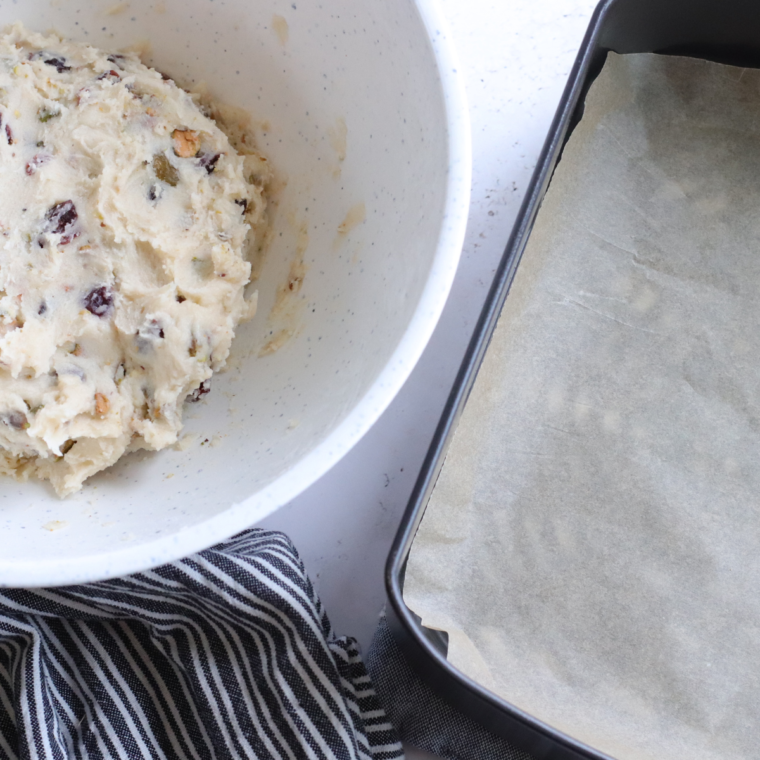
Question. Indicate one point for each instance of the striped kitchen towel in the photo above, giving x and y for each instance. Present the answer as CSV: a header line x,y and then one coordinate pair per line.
x,y
225,654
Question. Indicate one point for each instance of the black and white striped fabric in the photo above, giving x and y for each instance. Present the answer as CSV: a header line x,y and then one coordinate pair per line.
x,y
226,654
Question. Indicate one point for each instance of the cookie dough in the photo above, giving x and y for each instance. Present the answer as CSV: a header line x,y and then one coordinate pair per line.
x,y
124,212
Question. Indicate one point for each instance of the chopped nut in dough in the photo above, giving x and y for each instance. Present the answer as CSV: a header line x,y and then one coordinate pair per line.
x,y
186,143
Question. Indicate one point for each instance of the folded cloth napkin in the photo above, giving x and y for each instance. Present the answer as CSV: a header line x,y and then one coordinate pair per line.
x,y
225,654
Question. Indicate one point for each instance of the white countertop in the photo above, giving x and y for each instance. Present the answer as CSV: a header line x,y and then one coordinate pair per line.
x,y
516,56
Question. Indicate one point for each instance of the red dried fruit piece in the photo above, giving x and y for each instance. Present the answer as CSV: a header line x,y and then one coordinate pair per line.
x,y
208,161
9,134
38,160
99,301
66,239
200,391
60,218
111,76
56,61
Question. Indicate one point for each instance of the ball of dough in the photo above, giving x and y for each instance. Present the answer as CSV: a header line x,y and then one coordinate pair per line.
x,y
124,212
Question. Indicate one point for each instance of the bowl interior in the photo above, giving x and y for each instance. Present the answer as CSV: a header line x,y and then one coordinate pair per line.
x,y
348,107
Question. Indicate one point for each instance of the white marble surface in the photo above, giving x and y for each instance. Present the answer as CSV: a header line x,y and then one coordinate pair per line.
x,y
516,56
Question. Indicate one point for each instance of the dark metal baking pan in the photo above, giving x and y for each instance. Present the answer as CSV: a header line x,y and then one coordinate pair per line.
x,y
727,31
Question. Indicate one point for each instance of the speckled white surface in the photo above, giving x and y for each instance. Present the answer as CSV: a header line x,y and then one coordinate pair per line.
x,y
371,294
515,57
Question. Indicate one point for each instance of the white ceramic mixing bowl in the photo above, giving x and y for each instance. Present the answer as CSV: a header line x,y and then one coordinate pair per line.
x,y
372,79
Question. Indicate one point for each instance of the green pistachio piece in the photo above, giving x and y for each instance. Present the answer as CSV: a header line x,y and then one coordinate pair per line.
x,y
164,170
44,115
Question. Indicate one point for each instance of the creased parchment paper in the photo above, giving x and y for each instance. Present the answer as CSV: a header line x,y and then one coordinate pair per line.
x,y
593,542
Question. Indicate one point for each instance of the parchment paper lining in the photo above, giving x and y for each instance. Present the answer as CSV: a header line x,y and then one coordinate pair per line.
x,y
593,542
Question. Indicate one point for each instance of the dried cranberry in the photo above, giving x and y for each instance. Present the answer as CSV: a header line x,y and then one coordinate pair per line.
x,y
112,76
61,217
200,391
59,64
243,203
9,134
38,160
99,301
208,161
66,239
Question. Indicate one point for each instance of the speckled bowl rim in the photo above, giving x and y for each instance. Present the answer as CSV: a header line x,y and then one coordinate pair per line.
x,y
308,470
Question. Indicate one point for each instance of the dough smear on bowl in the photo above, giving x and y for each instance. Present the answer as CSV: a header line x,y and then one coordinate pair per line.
x,y
124,212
